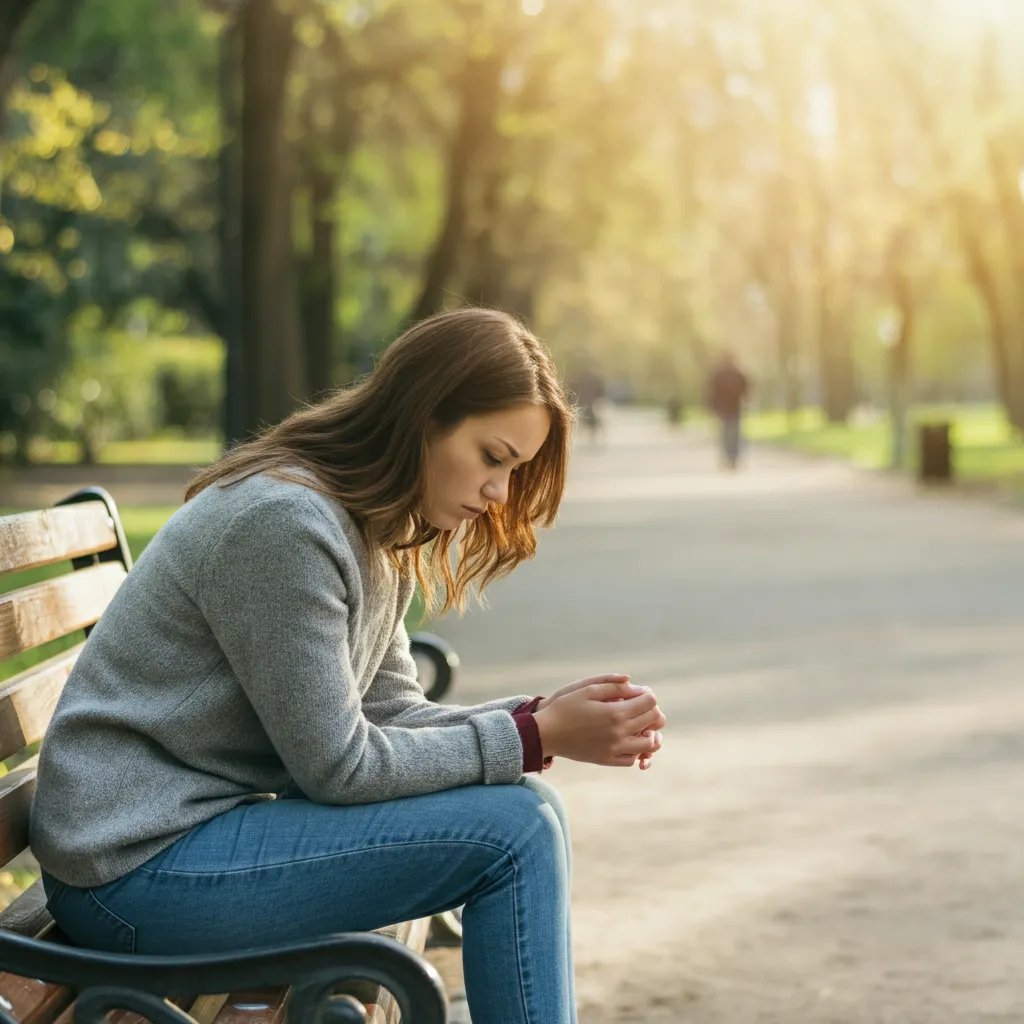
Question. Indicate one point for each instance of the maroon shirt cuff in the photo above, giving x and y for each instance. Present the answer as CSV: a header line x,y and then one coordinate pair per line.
x,y
529,735
528,707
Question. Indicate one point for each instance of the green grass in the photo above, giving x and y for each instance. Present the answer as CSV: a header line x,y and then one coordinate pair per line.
x,y
162,451
985,448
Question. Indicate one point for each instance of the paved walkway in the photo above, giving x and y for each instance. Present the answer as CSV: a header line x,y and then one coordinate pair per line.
x,y
834,830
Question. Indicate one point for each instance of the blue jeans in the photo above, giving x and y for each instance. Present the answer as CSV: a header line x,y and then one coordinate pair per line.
x,y
732,438
285,869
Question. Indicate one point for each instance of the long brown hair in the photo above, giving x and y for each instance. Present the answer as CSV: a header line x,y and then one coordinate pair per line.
x,y
364,446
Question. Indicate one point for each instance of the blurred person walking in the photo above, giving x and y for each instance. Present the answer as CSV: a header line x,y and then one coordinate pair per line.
x,y
590,390
728,387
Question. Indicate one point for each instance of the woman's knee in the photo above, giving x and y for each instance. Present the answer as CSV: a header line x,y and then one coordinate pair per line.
x,y
551,797
527,823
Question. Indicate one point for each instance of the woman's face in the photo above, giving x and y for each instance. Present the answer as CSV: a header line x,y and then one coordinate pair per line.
x,y
469,466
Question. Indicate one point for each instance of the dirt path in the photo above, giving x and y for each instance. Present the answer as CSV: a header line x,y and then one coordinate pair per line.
x,y
833,832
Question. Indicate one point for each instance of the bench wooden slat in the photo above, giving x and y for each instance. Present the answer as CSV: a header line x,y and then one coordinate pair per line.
x,y
16,789
265,1006
130,1017
30,539
27,914
27,701
33,1001
44,611
204,1009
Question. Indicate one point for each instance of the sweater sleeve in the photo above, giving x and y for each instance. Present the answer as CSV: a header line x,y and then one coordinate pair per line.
x,y
396,698
273,592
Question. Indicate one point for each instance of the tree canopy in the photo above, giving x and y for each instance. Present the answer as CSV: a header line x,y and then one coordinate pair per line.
x,y
832,189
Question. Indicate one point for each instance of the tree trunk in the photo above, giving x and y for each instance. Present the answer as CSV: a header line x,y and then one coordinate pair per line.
x,y
1008,387
899,368
230,239
835,359
1006,309
273,371
1007,326
485,285
318,285
479,91
785,341
12,15
1010,390
838,377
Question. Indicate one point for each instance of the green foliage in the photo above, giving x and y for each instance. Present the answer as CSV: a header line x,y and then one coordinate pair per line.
x,y
83,237
119,385
165,50
986,448
645,182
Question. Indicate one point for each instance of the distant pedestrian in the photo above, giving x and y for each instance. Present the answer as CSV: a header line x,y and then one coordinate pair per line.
x,y
674,409
728,386
590,390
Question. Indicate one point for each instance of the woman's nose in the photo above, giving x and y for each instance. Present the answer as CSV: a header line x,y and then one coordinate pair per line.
x,y
496,491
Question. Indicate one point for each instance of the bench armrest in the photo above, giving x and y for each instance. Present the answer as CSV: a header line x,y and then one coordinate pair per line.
x,y
313,968
442,658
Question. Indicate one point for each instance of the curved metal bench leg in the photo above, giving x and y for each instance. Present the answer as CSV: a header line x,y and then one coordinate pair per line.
x,y
442,658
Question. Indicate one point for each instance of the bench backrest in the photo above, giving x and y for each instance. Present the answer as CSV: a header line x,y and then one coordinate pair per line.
x,y
84,530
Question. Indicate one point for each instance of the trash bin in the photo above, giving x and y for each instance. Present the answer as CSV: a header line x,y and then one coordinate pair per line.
x,y
936,453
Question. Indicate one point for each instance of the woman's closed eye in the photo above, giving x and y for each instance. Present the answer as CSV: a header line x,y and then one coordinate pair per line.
x,y
491,459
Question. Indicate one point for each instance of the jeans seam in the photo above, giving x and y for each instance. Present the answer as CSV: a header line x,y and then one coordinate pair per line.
x,y
128,942
142,869
519,932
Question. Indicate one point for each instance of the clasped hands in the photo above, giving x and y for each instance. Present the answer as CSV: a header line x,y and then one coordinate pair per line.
x,y
601,720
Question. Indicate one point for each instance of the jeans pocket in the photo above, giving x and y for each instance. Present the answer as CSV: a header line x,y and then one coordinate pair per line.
x,y
88,923
120,930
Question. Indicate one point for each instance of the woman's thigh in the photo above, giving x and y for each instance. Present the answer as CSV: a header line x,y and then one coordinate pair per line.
x,y
285,869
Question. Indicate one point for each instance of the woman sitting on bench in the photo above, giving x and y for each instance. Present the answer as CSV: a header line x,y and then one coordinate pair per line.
x,y
278,772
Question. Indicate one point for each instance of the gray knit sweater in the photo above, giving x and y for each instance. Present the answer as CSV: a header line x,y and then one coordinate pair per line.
x,y
250,651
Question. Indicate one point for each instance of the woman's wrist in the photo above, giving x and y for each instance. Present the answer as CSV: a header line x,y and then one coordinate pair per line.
x,y
547,729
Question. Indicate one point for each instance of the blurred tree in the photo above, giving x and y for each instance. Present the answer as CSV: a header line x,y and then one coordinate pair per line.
x,y
273,368
69,242
964,191
644,182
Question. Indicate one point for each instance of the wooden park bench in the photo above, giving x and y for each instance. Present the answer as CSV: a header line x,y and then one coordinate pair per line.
x,y
354,977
